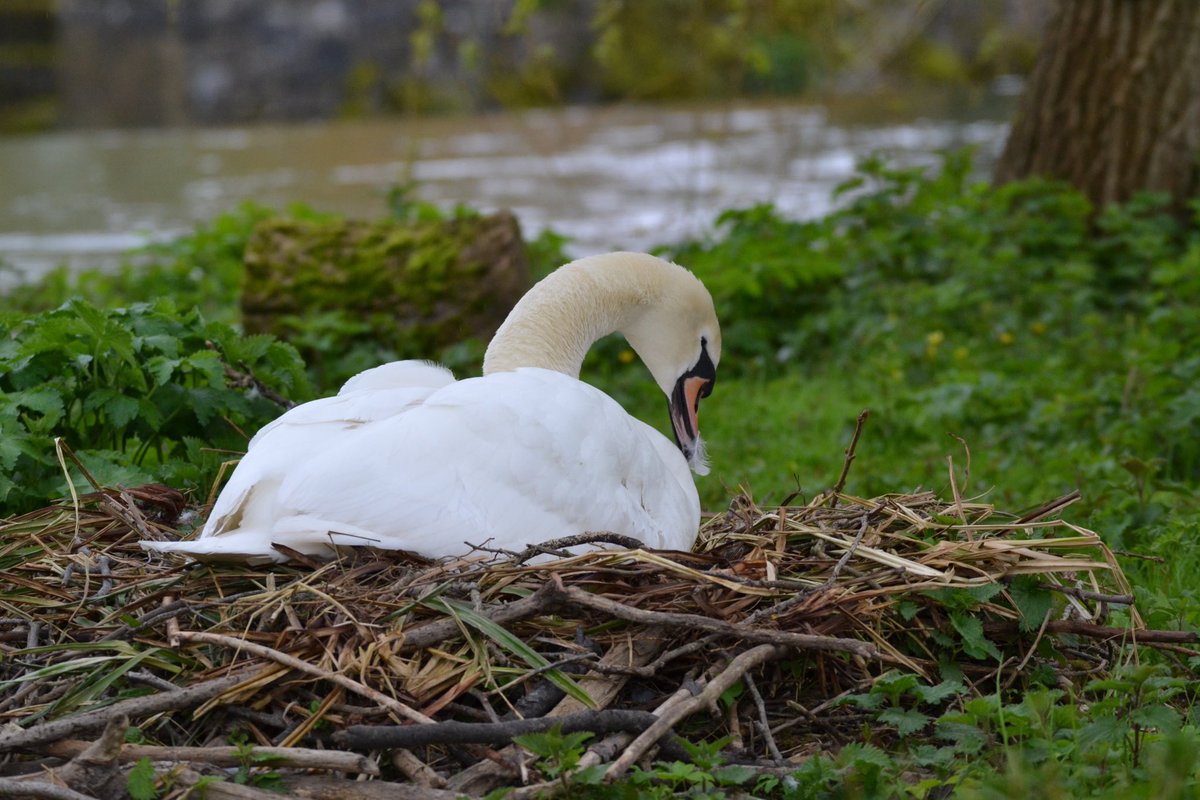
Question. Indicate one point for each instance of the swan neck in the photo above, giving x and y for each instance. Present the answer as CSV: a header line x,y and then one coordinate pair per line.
x,y
559,319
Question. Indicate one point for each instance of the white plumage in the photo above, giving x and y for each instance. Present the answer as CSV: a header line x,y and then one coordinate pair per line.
x,y
405,457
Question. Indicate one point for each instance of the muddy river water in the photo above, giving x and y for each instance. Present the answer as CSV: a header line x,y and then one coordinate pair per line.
x,y
609,177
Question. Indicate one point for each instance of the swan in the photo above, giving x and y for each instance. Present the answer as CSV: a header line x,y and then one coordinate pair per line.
x,y
405,457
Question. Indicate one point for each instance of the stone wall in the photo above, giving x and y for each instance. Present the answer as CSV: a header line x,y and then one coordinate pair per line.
x,y
146,62
27,64
156,62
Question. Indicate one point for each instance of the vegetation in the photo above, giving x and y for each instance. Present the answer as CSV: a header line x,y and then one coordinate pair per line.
x,y
1040,343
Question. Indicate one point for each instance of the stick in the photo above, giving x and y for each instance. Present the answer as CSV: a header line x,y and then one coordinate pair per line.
x,y
845,559
10,787
555,547
715,688
763,722
325,788
850,455
1083,594
800,641
262,651
1134,635
133,708
299,757
372,737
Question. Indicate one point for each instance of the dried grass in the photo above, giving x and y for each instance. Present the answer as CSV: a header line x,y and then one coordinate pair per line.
x,y
87,619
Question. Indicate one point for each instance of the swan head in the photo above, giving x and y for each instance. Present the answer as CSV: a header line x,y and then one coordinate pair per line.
x,y
664,312
678,338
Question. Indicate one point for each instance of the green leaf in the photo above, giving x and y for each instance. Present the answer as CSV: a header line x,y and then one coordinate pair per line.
x,y
974,643
1161,718
512,644
1032,601
908,608
931,695
733,775
142,782
161,369
730,695
1104,729
906,721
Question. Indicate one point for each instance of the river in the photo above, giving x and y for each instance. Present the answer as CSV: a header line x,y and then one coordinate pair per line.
x,y
608,177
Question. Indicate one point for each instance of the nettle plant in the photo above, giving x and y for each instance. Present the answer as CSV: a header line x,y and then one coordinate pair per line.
x,y
145,393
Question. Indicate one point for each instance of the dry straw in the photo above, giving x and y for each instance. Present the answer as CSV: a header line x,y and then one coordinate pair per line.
x,y
441,664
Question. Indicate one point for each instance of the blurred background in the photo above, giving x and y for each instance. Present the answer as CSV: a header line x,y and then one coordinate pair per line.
x,y
618,123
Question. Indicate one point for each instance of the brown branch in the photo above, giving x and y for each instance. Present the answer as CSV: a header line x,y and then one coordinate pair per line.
x,y
11,787
764,724
94,768
555,547
1083,594
301,758
325,788
372,737
1093,631
850,455
799,641
671,717
133,708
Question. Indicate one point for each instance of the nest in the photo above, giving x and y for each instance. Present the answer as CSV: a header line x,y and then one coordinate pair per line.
x,y
388,665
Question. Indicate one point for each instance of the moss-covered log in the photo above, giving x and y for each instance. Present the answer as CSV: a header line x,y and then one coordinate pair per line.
x,y
413,287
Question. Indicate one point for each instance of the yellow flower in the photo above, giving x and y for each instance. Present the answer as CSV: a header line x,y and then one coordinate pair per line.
x,y
961,353
932,340
626,356
1006,337
1039,328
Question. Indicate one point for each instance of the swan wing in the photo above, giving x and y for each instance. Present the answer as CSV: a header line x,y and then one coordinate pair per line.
x,y
503,461
506,461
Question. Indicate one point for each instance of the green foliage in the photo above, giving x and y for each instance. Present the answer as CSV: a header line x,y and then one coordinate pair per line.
x,y
558,753
202,269
142,781
140,394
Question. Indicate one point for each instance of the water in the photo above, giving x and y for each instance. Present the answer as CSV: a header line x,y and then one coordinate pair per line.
x,y
616,177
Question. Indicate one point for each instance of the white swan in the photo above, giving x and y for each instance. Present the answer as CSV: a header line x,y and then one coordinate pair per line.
x,y
404,457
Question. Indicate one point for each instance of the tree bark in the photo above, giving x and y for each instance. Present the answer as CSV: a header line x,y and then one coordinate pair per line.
x,y
1113,106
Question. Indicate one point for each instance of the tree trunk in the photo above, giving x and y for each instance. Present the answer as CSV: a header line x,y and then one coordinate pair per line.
x,y
1113,106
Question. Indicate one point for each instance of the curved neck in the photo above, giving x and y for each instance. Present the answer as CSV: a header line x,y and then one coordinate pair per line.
x,y
559,319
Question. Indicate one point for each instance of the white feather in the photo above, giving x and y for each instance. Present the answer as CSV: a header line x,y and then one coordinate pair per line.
x,y
507,460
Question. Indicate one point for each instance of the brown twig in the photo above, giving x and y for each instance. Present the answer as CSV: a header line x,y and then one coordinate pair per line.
x,y
39,790
132,708
1084,594
1093,631
298,757
764,724
850,455
557,547
800,641
371,737
715,688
